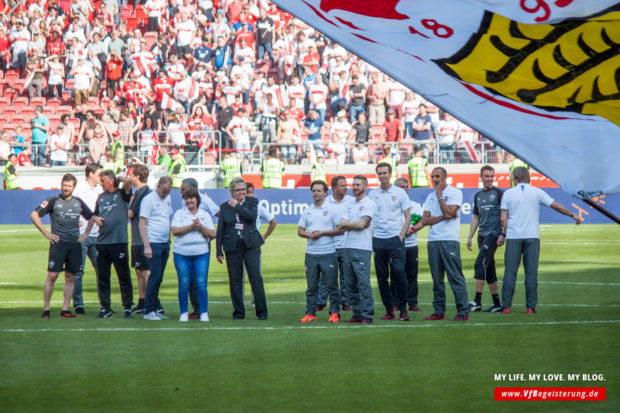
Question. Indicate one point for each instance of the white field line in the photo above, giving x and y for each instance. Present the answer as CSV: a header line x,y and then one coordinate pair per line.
x,y
18,230
463,240
302,280
311,327
303,303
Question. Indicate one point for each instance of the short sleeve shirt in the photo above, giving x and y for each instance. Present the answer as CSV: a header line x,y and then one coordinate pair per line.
x,y
412,240
323,218
157,211
113,208
523,205
193,243
361,238
341,208
487,208
136,239
264,216
448,229
391,204
65,216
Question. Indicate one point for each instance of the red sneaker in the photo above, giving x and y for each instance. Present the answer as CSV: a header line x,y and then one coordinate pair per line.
x,y
308,318
414,308
461,317
67,314
346,308
505,311
367,321
388,316
531,311
193,316
404,316
320,308
354,319
334,318
435,316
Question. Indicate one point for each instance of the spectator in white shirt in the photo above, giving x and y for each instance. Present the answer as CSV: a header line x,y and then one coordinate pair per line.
x,y
59,143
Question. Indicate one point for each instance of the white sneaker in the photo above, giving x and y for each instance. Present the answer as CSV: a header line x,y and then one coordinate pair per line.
x,y
152,316
162,317
204,317
183,317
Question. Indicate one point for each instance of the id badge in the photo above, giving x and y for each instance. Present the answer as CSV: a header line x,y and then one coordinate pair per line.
x,y
239,226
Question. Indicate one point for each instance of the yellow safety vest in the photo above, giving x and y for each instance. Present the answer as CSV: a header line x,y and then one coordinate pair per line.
x,y
318,172
516,163
232,169
394,164
272,173
10,180
417,172
116,147
178,179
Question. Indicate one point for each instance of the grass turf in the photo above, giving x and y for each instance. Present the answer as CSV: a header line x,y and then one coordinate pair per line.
x,y
279,365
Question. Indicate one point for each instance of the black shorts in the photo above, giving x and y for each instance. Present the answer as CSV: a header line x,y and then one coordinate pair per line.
x,y
484,267
138,260
65,256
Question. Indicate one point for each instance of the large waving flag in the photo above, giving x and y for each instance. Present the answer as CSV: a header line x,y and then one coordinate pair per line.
x,y
539,77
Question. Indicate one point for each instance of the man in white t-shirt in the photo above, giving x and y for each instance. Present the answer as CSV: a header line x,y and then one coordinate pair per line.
x,y
58,146
318,93
83,76
520,212
88,191
391,224
239,130
155,214
319,224
411,248
341,126
444,254
185,31
357,251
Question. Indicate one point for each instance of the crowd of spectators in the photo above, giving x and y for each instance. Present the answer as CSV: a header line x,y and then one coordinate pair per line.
x,y
195,74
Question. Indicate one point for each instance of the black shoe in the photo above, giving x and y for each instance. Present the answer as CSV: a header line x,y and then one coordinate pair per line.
x,y
67,314
127,313
46,314
139,309
493,309
105,313
160,311
79,310
474,306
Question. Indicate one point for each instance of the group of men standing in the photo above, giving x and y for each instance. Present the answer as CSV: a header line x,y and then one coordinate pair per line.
x,y
343,232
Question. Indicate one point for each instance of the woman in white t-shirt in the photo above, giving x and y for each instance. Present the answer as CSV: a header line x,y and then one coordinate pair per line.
x,y
192,228
56,76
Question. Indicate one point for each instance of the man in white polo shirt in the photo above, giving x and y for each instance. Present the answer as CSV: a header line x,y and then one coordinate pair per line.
x,y
357,251
155,213
391,223
520,211
444,253
319,224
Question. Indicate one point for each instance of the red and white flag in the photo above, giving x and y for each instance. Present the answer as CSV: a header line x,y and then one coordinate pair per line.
x,y
281,95
168,102
27,81
537,77
471,151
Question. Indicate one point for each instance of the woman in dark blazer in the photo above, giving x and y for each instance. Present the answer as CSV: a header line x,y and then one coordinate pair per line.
x,y
238,239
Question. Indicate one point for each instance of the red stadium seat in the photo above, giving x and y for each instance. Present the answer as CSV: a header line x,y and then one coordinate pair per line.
x,y
19,121
70,83
66,96
53,103
38,101
141,14
9,128
27,112
9,113
93,101
11,76
61,110
151,39
132,23
10,94
4,102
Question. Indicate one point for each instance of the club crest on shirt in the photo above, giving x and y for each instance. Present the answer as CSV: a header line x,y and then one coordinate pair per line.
x,y
394,198
361,208
492,197
325,212
43,204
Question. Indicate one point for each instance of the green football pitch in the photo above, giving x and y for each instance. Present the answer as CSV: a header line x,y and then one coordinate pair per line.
x,y
117,364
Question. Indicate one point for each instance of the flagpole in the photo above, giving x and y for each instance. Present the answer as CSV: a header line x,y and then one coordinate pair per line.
x,y
602,210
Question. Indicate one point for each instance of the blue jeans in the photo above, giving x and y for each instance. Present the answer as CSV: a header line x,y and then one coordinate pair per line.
x,y
265,47
354,111
409,130
39,154
447,153
157,265
194,267
88,250
59,163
